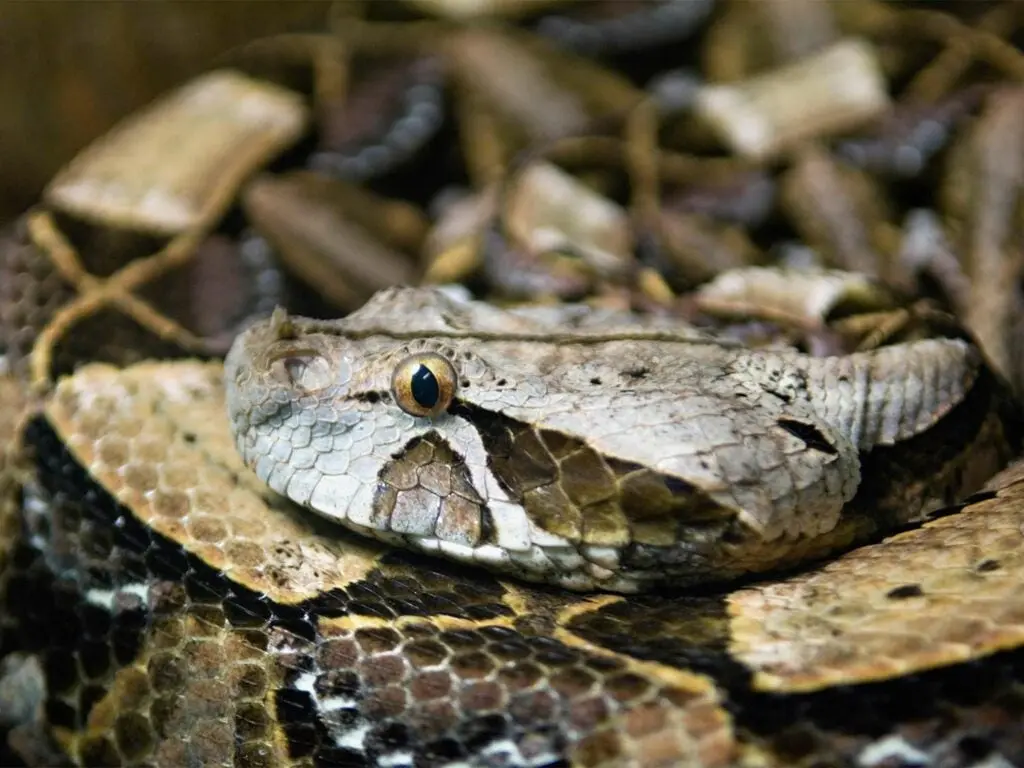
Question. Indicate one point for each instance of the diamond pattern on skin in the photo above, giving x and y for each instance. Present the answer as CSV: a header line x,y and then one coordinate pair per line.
x,y
239,644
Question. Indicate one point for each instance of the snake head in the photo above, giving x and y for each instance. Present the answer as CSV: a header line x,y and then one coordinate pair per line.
x,y
319,414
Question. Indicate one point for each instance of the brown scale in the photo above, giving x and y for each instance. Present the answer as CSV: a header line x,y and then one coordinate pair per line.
x,y
570,490
428,473
171,678
486,682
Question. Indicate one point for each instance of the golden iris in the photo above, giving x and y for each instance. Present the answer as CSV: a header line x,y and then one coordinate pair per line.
x,y
424,384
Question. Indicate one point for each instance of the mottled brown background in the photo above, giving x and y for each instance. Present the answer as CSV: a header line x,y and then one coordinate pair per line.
x,y
69,70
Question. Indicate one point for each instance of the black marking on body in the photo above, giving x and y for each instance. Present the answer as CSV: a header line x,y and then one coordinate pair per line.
x,y
297,714
980,496
693,632
675,630
905,591
923,462
99,640
77,638
681,631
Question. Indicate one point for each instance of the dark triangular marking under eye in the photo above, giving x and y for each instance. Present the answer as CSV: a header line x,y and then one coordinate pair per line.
x,y
429,462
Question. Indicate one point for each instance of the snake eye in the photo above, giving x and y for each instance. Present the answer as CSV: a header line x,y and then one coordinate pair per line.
x,y
424,384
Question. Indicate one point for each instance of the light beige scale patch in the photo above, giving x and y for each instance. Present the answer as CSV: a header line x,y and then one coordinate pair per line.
x,y
156,437
950,591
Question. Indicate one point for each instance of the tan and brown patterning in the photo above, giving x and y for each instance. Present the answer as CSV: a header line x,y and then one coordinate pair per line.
x,y
165,607
599,450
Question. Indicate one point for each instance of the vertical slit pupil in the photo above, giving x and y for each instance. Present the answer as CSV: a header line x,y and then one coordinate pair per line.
x,y
424,387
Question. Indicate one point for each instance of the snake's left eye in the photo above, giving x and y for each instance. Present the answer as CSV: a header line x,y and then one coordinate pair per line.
x,y
424,384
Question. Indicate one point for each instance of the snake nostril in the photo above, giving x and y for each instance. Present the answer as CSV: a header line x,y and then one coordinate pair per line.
x,y
811,436
307,371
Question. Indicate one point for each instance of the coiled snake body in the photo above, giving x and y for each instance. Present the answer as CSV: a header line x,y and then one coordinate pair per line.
x,y
169,606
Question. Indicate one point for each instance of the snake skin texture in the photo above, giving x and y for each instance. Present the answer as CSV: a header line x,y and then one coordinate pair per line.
x,y
736,508
608,455
184,614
